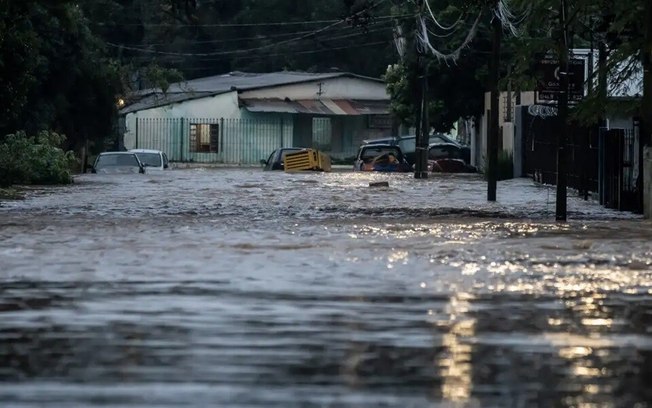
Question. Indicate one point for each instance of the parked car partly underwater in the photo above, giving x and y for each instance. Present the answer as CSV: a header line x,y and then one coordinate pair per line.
x,y
447,158
117,162
276,160
408,145
152,159
381,157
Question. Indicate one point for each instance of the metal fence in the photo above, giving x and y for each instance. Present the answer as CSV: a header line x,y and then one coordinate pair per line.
x,y
619,181
540,153
603,161
213,140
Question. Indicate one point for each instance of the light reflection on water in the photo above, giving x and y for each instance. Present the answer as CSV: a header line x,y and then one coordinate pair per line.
x,y
242,288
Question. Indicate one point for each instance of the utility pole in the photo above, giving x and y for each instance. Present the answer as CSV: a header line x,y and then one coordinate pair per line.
x,y
492,142
646,105
562,109
422,125
421,148
418,123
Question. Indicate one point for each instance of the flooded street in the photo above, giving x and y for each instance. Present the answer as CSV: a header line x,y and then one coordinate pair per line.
x,y
242,288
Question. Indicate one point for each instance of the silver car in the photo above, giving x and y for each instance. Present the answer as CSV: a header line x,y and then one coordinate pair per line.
x,y
152,159
117,162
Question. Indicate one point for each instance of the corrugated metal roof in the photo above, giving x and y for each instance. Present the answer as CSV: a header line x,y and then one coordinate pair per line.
x,y
214,85
160,99
320,107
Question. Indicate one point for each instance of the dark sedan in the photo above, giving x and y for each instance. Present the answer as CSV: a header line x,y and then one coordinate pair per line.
x,y
447,158
408,146
381,157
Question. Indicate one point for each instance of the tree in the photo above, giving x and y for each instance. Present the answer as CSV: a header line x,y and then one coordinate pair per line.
x,y
207,38
617,25
61,79
456,85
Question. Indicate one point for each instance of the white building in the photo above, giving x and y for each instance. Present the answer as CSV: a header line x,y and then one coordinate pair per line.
x,y
240,117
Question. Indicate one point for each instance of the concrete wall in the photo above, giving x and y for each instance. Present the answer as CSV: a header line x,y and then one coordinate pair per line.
x,y
620,122
335,88
479,145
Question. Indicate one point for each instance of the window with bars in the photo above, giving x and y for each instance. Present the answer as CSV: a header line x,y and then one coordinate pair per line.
x,y
204,138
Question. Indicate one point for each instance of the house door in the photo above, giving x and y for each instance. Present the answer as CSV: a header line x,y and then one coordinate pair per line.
x,y
302,131
322,134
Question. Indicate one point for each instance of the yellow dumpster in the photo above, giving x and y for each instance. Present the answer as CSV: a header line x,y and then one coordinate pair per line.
x,y
308,159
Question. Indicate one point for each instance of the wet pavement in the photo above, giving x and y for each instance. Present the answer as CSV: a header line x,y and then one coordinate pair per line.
x,y
242,288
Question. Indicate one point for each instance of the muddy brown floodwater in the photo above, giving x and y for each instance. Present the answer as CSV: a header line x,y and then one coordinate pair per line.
x,y
243,288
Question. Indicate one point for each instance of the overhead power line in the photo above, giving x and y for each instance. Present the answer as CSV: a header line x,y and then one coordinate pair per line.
x,y
256,37
264,24
244,51
289,52
235,52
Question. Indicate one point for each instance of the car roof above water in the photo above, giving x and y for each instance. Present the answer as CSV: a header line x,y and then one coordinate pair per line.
x,y
379,148
122,153
144,151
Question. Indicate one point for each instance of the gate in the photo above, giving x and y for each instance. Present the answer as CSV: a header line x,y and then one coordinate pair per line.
x,y
618,184
539,151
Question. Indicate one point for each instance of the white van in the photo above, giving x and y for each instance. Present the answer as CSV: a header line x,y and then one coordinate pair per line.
x,y
152,159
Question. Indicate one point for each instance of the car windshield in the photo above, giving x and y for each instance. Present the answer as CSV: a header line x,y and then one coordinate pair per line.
x,y
371,152
150,159
113,160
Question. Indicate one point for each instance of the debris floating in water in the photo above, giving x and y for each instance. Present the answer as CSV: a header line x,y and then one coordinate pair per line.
x,y
379,184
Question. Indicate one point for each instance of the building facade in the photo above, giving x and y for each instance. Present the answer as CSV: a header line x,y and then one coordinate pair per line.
x,y
239,118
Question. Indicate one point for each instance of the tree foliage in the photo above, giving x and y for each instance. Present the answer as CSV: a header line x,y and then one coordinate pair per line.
x,y
201,38
455,87
617,25
57,73
64,63
34,160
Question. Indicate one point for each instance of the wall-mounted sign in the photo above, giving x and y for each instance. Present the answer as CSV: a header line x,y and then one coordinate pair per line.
x,y
548,83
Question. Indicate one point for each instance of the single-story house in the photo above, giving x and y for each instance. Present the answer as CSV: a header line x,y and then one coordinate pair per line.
x,y
239,118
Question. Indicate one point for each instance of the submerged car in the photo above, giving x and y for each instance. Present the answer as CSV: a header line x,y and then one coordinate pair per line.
x,y
152,159
408,146
276,160
117,162
380,157
447,158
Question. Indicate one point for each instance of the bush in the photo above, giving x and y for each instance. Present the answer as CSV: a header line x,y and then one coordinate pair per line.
x,y
505,165
34,160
